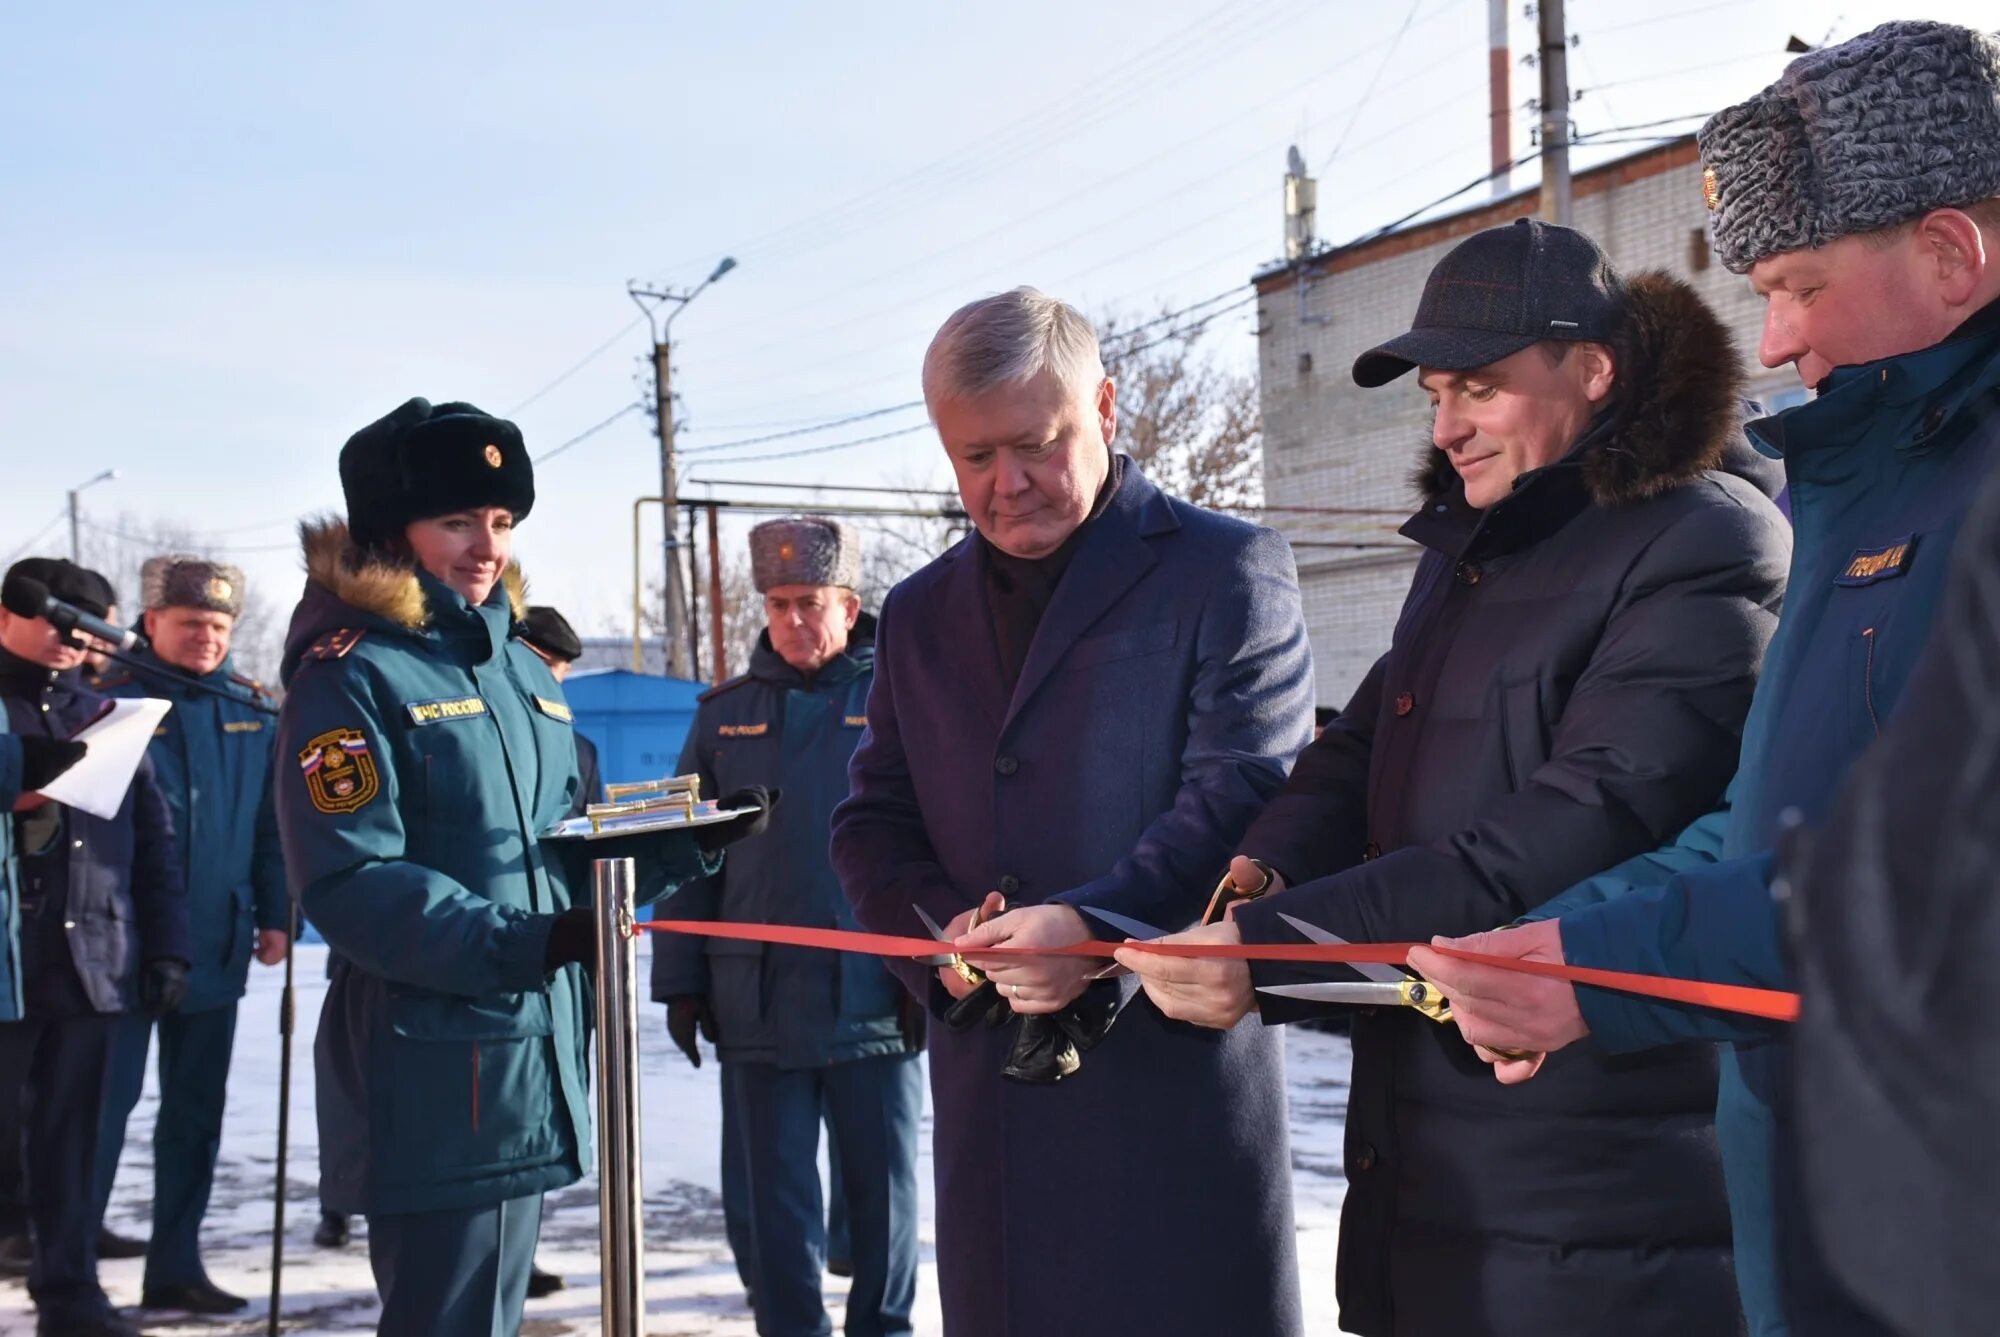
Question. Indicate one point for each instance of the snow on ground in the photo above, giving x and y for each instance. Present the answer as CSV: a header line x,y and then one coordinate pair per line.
x,y
691,1282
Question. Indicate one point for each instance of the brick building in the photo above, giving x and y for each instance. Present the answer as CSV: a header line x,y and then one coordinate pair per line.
x,y
1348,454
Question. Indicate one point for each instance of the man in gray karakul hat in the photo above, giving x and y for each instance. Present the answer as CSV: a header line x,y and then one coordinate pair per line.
x,y
801,1035
212,755
1861,194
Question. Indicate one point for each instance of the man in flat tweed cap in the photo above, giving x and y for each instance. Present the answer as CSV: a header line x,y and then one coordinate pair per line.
x,y
1861,194
212,754
801,1035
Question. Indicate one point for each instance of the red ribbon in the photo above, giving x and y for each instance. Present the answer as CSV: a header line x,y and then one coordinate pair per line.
x,y
1772,1004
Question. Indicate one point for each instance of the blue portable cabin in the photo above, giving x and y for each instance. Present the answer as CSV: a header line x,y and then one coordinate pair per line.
x,y
637,720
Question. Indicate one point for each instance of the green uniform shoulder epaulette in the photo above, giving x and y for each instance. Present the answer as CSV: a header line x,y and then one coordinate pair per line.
x,y
335,644
729,685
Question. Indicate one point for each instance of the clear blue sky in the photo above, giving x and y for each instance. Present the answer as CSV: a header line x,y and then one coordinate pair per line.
x,y
235,232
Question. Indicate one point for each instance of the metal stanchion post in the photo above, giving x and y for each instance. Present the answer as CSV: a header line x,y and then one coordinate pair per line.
x,y
621,1215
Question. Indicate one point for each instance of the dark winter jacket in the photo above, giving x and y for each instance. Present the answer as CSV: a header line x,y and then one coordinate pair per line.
x,y
422,750
1897,921
212,758
1566,686
117,879
1166,686
791,1006
10,909
1882,467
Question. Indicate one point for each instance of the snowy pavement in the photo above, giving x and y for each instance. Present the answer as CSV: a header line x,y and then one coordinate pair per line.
x,y
691,1283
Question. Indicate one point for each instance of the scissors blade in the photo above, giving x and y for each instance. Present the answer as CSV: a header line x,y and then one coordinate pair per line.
x,y
1381,974
1378,994
936,932
1130,927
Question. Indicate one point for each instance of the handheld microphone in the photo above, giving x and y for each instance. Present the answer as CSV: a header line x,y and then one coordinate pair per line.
x,y
25,596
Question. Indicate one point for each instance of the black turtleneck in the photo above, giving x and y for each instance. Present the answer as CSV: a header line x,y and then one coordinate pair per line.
x,y
1019,589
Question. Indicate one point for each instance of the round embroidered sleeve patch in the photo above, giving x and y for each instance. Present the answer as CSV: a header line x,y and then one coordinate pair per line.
x,y
339,771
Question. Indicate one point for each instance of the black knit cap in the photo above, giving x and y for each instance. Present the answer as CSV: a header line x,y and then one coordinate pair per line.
x,y
550,632
425,460
64,580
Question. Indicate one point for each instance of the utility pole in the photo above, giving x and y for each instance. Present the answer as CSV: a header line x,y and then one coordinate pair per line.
x,y
1500,98
75,539
673,631
1554,62
674,626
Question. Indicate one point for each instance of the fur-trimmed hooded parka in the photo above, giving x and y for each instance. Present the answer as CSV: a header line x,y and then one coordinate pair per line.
x,y
1566,688
422,753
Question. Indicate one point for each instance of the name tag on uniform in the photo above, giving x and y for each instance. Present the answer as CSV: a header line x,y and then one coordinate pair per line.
x,y
855,721
743,730
1869,565
243,726
555,710
434,712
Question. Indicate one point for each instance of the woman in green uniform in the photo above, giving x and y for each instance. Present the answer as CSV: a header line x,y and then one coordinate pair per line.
x,y
420,751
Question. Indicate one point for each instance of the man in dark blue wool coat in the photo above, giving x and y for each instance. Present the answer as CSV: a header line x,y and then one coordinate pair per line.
x,y
1081,705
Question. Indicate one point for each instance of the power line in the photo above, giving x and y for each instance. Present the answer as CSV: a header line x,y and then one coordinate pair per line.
x,y
61,515
825,450
585,434
177,540
580,364
1362,105
1120,335
1215,34
806,431
1668,18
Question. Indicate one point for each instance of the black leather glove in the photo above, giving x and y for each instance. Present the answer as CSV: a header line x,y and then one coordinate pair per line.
x,y
685,1016
714,837
1089,1018
163,984
572,941
43,759
983,1004
1043,1052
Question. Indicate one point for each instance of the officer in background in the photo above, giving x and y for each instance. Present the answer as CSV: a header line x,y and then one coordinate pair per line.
x,y
800,1031
95,591
103,933
549,634
212,758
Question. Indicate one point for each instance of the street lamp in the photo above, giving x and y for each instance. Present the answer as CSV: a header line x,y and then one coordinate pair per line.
x,y
74,546
679,659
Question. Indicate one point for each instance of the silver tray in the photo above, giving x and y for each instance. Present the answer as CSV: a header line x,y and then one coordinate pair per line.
x,y
581,828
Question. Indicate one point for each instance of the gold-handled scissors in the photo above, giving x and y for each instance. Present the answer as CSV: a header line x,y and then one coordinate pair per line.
x,y
1380,985
971,974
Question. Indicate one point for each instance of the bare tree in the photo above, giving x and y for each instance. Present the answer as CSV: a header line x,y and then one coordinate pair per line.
x,y
1190,421
118,549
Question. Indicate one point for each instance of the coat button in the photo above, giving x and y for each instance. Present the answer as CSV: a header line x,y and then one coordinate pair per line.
x,y
76,844
1371,851
69,923
1364,1159
1469,573
1006,765
1009,885
1405,703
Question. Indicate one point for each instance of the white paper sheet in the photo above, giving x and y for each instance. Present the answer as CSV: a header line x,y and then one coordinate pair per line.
x,y
97,784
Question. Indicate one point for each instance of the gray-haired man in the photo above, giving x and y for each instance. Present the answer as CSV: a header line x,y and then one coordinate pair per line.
x,y
1080,706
